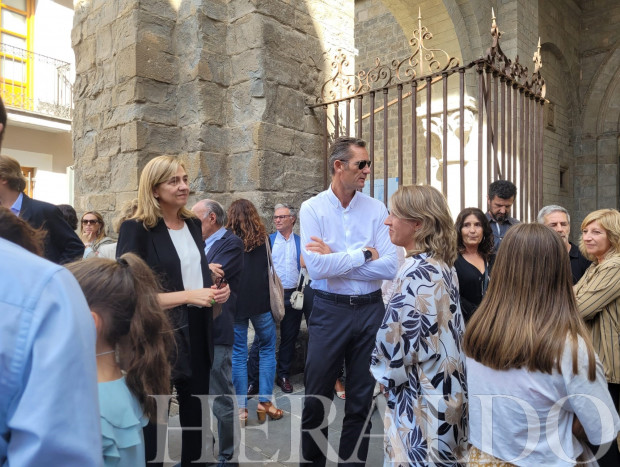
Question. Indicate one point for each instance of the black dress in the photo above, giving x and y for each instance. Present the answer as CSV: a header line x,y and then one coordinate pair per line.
x,y
471,284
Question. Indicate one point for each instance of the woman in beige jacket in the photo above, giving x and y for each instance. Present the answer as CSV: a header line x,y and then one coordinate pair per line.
x,y
598,299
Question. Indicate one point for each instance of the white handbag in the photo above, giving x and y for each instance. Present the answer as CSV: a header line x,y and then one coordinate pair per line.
x,y
297,297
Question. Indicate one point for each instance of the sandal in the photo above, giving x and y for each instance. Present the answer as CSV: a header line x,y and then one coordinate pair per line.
x,y
340,394
268,409
243,417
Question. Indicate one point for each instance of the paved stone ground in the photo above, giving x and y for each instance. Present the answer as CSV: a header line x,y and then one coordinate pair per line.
x,y
276,443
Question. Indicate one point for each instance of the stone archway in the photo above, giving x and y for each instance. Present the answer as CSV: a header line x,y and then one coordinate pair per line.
x,y
598,156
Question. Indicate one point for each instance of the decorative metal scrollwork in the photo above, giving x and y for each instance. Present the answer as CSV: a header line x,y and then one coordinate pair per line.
x,y
423,61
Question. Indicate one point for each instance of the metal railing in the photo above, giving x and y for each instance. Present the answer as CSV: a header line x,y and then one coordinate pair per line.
x,y
35,82
421,115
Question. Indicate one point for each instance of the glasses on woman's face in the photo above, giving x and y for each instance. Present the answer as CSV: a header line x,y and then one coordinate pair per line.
x,y
89,221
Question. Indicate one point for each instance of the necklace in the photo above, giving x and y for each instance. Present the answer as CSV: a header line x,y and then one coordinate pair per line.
x,y
105,353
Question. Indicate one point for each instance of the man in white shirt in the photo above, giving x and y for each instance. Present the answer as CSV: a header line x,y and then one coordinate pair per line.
x,y
348,254
286,253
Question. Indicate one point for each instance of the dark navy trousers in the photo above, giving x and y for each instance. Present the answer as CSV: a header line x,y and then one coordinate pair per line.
x,y
337,332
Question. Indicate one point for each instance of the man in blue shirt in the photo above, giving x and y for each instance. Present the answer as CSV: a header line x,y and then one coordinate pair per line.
x,y
348,253
224,252
49,412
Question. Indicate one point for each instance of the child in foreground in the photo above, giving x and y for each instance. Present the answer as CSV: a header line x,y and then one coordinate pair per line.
x,y
133,339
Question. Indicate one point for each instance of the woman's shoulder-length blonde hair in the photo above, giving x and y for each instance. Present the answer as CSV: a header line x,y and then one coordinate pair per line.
x,y
426,204
609,219
155,172
529,310
101,234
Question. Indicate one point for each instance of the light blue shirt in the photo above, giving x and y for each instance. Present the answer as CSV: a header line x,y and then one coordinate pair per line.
x,y
346,231
122,420
214,237
17,205
49,412
284,254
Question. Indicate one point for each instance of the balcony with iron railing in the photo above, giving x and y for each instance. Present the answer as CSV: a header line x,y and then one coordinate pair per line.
x,y
35,83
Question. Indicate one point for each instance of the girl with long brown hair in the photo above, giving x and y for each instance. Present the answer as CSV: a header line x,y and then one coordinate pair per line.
x,y
253,305
530,360
133,341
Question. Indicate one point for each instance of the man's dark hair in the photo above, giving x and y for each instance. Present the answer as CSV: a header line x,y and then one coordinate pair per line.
x,y
339,150
3,119
502,189
69,214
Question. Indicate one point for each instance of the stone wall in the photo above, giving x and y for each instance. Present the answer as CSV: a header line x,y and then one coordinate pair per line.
x,y
596,149
222,84
559,31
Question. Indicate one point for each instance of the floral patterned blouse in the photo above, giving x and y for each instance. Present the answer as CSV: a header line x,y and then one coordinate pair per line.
x,y
419,359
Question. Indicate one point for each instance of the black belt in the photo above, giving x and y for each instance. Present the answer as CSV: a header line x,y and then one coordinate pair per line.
x,y
290,290
365,299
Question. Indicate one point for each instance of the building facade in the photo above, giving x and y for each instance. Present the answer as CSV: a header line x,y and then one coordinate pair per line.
x,y
36,76
226,85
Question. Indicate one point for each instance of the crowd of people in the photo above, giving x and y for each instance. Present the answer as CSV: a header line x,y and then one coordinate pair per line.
x,y
493,342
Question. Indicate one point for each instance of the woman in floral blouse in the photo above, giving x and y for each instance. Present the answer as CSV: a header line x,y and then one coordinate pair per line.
x,y
418,358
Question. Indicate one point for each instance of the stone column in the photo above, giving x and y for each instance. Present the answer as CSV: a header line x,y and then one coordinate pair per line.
x,y
221,83
125,96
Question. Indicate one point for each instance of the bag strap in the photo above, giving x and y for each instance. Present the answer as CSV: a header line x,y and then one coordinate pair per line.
x,y
303,279
269,259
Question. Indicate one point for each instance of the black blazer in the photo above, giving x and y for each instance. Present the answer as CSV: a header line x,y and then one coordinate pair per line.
x,y
227,251
62,244
156,248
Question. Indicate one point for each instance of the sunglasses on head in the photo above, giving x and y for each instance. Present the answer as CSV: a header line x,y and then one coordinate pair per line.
x,y
90,221
361,165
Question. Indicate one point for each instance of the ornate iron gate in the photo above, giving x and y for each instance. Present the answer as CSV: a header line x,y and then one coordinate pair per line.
x,y
415,137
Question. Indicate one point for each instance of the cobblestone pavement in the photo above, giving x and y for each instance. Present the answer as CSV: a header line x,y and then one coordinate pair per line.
x,y
276,443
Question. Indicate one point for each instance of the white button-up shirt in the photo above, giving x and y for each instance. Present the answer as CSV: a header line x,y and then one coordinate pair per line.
x,y
346,231
284,254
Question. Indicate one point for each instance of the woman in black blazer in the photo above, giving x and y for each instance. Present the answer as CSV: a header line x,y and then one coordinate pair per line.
x,y
168,237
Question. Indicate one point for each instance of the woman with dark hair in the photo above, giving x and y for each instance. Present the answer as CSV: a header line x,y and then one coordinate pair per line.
x,y
168,237
92,233
253,305
474,242
535,383
418,359
69,214
18,231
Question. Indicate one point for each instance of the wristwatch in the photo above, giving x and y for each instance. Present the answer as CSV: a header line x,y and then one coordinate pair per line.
x,y
367,254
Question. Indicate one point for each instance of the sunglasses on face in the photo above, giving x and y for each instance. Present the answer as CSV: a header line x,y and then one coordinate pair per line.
x,y
361,165
279,218
89,221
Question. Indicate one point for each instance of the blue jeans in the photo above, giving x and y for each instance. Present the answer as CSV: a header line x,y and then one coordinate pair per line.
x,y
265,329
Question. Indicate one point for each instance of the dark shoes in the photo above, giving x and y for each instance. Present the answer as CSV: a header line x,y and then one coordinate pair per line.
x,y
284,384
252,390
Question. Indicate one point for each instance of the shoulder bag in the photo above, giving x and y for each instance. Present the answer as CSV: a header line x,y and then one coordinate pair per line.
x,y
276,290
297,297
